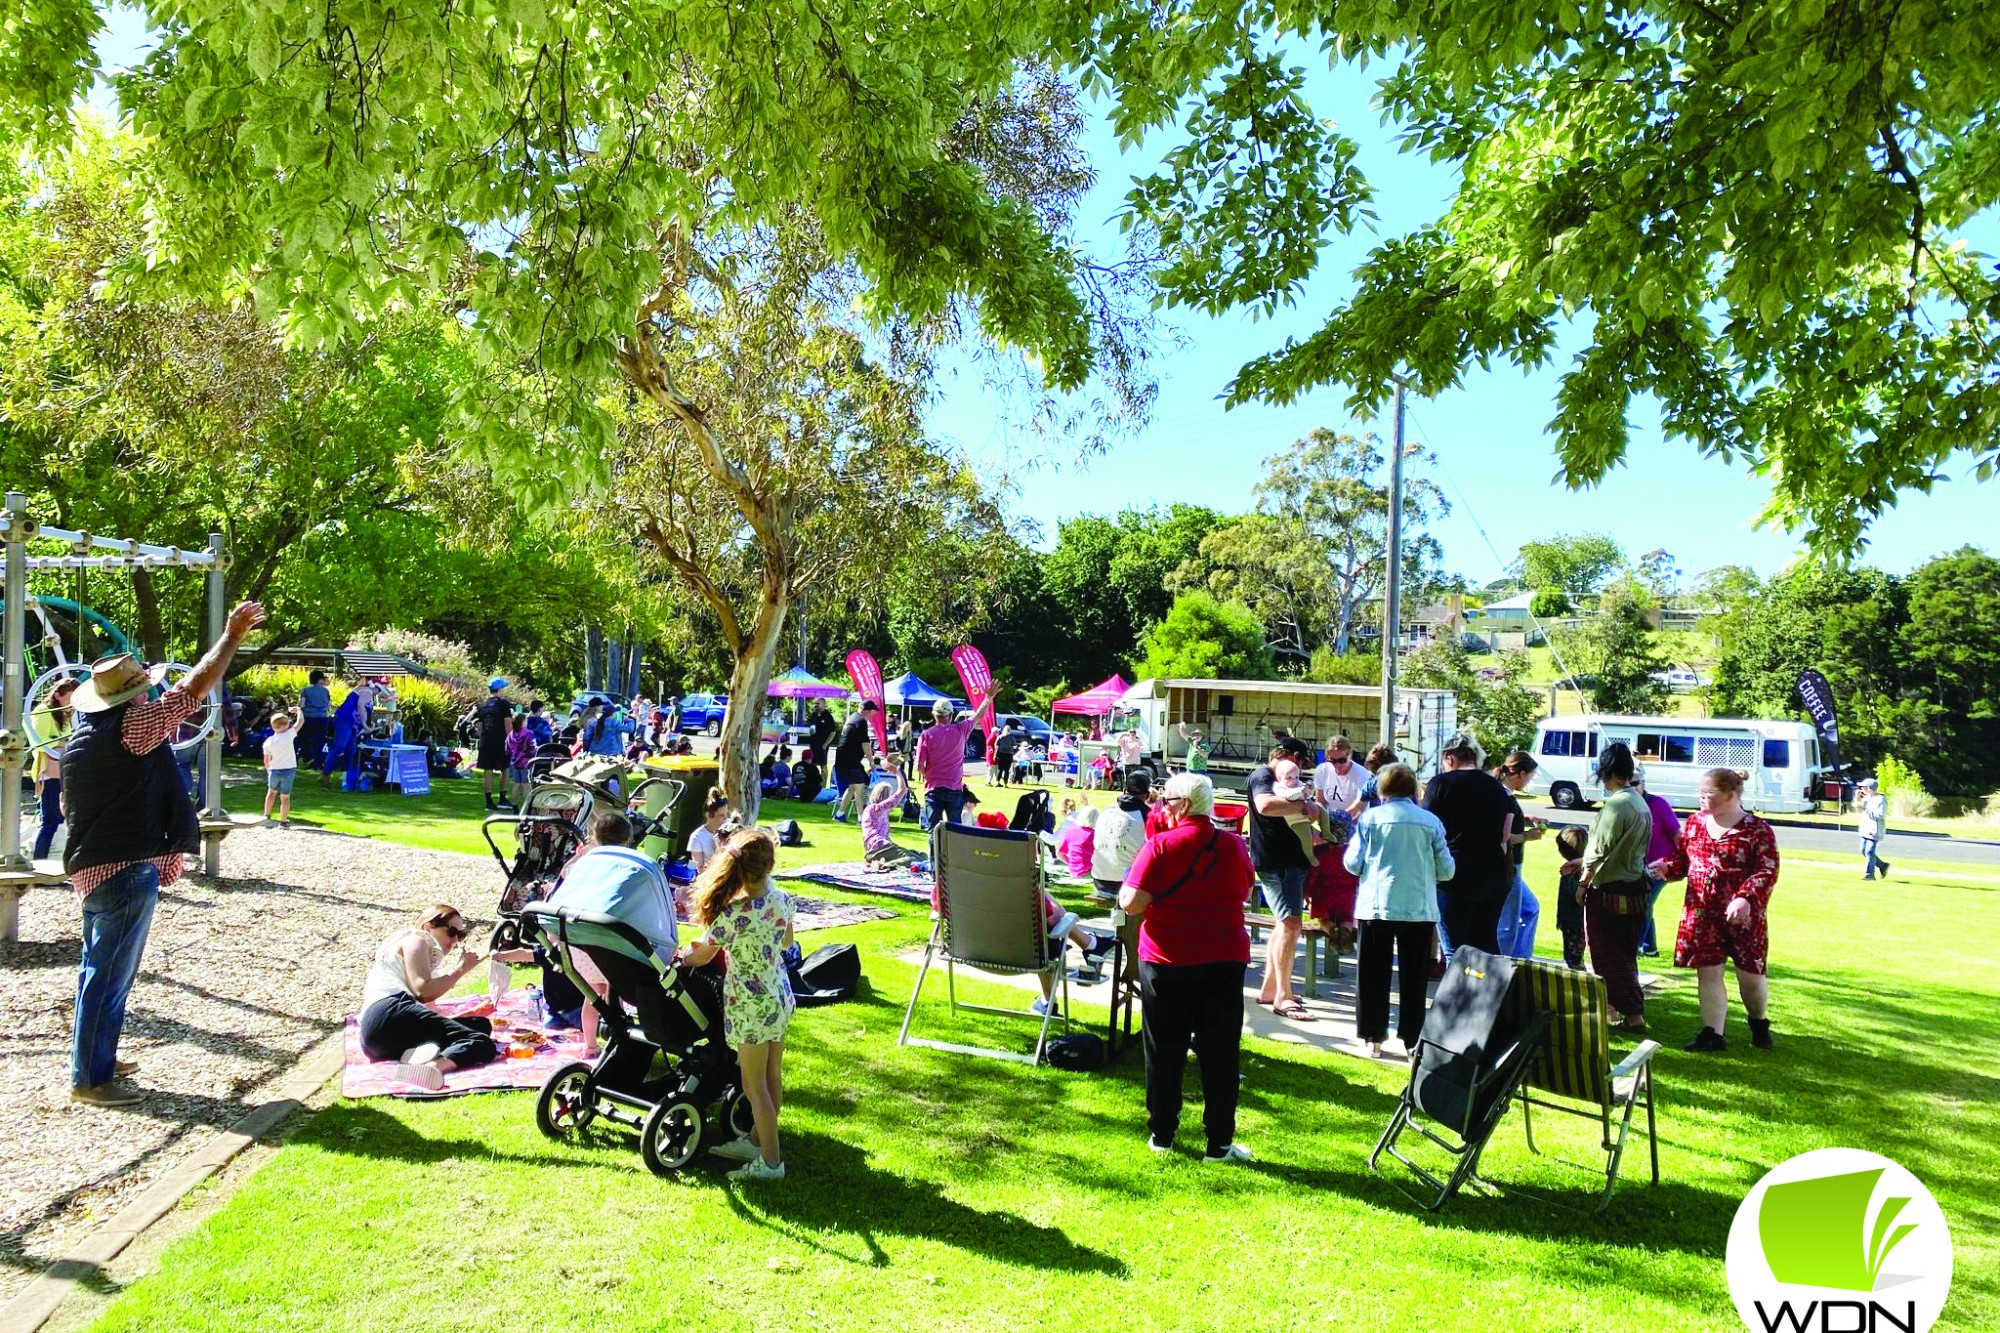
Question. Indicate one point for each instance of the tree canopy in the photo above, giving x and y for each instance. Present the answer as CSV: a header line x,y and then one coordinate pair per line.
x,y
1756,216
1578,565
1913,661
1203,639
1311,559
325,469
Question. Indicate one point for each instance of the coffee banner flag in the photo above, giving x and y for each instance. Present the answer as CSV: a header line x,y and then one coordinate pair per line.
x,y
1818,696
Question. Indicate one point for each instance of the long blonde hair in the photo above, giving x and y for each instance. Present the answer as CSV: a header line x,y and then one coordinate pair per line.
x,y
741,866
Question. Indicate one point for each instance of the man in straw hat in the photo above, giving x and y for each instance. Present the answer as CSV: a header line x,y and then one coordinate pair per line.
x,y
131,826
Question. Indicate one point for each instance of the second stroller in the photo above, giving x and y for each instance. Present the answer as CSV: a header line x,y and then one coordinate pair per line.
x,y
670,1074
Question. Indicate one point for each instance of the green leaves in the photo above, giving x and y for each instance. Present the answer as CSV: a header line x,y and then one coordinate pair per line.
x,y
1755,225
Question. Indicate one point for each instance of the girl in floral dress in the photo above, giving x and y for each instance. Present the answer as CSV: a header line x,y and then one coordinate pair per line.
x,y
751,921
1730,860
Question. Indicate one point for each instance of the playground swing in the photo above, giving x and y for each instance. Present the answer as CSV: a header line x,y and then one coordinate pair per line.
x,y
21,699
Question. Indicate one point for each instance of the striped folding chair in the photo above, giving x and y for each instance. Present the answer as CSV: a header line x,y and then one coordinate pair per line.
x,y
1571,1071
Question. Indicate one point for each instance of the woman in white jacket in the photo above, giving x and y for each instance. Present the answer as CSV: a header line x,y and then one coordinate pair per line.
x,y
1121,833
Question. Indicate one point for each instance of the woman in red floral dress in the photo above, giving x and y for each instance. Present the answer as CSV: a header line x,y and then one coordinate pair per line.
x,y
1730,860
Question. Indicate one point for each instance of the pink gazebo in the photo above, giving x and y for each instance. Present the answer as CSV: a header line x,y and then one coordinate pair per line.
x,y
1097,701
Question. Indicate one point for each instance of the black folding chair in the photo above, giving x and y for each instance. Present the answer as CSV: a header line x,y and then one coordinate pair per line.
x,y
1470,1058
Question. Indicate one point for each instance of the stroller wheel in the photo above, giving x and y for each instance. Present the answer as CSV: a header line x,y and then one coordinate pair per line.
x,y
563,1110
671,1137
740,1120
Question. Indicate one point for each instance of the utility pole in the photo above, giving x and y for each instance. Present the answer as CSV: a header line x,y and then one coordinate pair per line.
x,y
1392,616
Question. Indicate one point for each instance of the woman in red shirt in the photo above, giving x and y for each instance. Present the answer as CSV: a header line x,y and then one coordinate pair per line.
x,y
1188,886
1730,860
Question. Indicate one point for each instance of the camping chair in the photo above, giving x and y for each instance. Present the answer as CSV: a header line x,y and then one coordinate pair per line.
x,y
989,917
1574,1063
1472,1055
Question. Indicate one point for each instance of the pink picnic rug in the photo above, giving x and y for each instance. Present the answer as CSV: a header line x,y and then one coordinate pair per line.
x,y
530,1053
516,1027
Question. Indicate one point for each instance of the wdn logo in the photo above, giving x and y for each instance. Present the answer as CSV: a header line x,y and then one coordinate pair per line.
x,y
1839,1241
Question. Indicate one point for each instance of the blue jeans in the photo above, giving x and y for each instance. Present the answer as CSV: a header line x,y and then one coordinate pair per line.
x,y
943,804
116,917
1520,914
52,817
1648,941
1870,862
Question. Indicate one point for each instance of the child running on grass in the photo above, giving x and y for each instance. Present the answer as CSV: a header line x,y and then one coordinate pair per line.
x,y
281,764
751,920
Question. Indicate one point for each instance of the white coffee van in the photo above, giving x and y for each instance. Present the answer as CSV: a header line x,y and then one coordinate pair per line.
x,y
1779,761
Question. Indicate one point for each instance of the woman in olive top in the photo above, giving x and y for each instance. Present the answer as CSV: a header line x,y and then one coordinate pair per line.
x,y
1613,887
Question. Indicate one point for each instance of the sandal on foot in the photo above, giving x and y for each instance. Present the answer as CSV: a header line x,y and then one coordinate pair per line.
x,y
1293,1010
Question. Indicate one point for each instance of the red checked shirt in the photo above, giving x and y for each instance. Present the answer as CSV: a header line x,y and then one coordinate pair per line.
x,y
147,726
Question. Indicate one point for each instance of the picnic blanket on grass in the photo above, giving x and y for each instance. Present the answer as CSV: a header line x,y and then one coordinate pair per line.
x,y
909,885
529,1053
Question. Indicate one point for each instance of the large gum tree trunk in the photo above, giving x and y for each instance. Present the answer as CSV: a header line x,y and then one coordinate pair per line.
x,y
736,759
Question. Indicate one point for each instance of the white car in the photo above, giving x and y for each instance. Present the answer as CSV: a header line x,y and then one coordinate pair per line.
x,y
1678,678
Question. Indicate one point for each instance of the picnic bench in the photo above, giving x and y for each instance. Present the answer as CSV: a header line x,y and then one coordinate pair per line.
x,y
1320,955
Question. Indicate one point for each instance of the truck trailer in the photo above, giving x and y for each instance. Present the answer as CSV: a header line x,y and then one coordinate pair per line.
x,y
1241,718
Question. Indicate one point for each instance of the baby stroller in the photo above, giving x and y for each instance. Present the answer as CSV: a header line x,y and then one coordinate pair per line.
x,y
554,822
671,1075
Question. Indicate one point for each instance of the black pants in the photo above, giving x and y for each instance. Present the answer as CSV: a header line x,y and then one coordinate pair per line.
x,y
313,733
1411,941
1472,921
1202,1003
395,1023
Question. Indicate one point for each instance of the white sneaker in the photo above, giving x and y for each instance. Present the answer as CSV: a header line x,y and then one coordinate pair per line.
x,y
741,1150
1235,1152
759,1169
421,1055
1158,1146
423,1075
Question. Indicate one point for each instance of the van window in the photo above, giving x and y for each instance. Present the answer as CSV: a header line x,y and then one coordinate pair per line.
x,y
1593,745
1677,749
1565,743
1777,754
1737,752
1646,745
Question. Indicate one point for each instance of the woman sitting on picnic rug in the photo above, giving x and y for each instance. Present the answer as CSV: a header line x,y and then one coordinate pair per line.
x,y
1730,860
877,844
1187,887
397,1022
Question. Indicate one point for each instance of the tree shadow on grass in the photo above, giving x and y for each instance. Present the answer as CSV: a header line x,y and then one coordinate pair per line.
x,y
840,1193
360,1130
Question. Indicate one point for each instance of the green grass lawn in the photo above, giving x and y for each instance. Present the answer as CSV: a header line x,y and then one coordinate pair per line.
x,y
931,1191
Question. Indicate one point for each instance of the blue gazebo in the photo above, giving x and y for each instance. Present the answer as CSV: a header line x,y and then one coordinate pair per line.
x,y
909,691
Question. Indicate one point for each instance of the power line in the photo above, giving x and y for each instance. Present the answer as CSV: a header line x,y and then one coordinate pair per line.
x,y
1547,637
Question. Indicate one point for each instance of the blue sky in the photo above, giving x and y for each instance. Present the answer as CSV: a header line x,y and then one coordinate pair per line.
x,y
1498,464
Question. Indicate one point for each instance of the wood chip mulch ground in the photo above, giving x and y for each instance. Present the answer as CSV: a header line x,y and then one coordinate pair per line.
x,y
242,976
